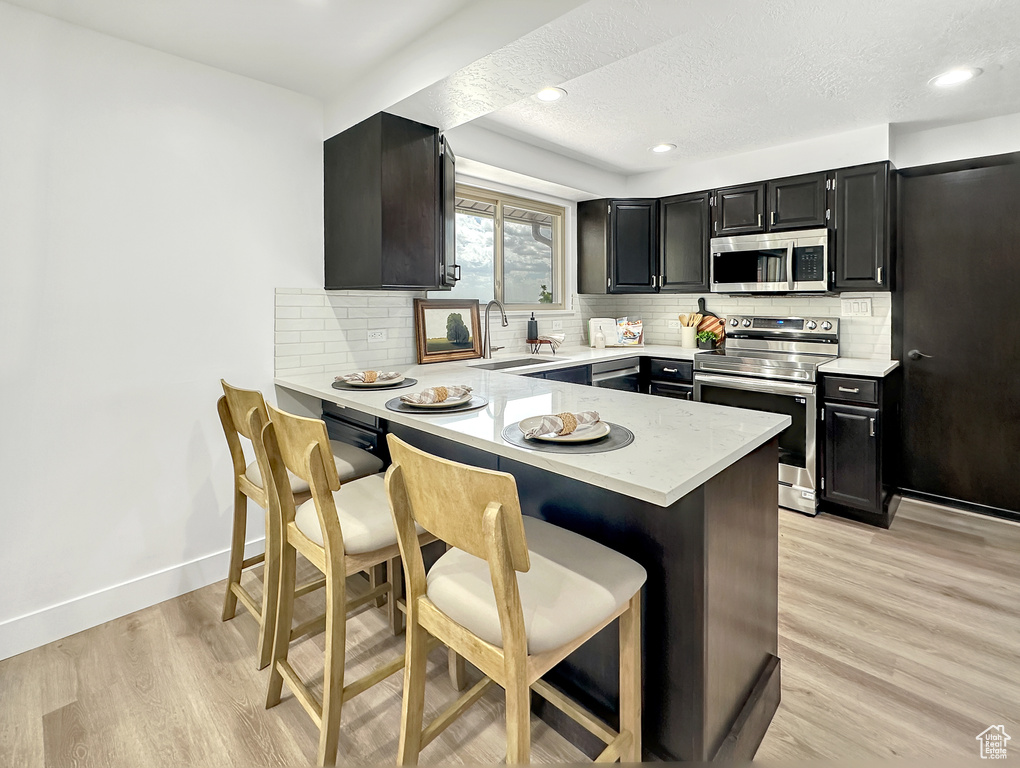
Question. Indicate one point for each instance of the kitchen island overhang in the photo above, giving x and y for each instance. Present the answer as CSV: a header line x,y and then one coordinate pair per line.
x,y
693,499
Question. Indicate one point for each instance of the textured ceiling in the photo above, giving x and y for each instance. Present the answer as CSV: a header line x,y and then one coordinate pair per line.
x,y
314,47
714,77
718,78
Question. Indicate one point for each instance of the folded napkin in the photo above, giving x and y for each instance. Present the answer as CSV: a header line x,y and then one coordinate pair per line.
x,y
563,423
553,338
436,395
369,377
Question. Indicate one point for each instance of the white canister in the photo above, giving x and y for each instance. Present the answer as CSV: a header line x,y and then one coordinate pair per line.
x,y
688,337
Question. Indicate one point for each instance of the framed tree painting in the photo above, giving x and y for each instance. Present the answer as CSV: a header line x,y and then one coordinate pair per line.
x,y
447,329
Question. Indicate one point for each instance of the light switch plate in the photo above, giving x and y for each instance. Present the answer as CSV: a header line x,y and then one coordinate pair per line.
x,y
377,335
855,307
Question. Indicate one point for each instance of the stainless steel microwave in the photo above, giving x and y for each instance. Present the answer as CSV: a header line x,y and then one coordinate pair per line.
x,y
778,262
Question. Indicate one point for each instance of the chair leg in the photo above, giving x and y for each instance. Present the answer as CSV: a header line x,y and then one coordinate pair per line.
x,y
458,669
395,575
333,674
270,600
236,553
413,706
375,578
518,722
284,620
630,678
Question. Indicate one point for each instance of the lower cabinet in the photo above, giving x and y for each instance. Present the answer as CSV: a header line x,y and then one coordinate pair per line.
x,y
356,428
670,378
858,463
579,374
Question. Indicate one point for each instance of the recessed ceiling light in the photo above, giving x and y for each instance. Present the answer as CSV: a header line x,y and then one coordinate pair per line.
x,y
551,94
662,148
954,77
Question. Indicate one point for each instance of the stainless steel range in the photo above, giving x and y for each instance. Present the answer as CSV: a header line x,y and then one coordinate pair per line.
x,y
771,364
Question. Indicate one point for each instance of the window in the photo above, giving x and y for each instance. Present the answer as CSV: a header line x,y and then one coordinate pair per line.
x,y
510,249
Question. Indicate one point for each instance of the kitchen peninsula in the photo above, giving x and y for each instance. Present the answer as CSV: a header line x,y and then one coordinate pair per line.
x,y
693,499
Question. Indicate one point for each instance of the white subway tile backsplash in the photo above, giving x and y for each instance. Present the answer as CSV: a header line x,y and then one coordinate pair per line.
x,y
299,300
864,337
299,325
289,312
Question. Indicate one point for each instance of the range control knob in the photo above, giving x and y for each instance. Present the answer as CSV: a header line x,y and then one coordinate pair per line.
x,y
746,323
734,321
811,325
826,326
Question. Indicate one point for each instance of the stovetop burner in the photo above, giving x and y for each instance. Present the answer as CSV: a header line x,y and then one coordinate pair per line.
x,y
774,347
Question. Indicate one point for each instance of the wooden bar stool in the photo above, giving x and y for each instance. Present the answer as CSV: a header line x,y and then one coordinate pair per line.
x,y
514,597
343,529
351,462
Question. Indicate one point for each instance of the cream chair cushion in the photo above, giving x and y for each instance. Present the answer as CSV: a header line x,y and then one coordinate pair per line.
x,y
574,584
364,512
351,463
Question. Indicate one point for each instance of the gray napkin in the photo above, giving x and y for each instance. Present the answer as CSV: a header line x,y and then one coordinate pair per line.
x,y
554,424
360,376
436,395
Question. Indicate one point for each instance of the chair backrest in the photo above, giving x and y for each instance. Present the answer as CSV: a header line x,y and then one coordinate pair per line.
x,y
449,500
301,445
239,403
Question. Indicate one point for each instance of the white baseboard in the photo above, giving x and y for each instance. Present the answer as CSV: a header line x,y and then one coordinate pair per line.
x,y
23,633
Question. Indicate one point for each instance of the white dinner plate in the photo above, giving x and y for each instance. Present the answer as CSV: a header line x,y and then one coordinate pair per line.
x,y
387,383
450,402
583,434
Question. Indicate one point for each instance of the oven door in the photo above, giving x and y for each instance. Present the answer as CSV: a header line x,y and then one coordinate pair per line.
x,y
797,459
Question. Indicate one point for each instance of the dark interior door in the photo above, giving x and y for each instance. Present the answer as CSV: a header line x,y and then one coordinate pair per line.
x,y
958,306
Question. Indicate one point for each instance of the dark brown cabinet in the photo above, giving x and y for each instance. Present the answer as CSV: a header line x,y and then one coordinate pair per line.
x,y
863,221
388,195
617,246
683,243
858,462
798,202
738,210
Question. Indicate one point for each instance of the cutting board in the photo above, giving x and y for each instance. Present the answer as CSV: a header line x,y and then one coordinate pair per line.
x,y
711,322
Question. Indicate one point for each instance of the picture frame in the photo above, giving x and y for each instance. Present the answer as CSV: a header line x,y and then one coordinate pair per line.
x,y
447,329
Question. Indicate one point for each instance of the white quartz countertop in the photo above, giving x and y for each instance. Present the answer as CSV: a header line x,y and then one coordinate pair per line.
x,y
852,366
678,444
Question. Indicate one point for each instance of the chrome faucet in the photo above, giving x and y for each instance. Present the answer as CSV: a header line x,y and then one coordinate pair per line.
x,y
487,349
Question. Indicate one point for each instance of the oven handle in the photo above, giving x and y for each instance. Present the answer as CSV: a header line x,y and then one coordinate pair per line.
x,y
755,385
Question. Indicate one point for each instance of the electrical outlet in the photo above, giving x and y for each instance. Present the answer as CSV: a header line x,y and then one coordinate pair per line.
x,y
674,323
557,325
377,335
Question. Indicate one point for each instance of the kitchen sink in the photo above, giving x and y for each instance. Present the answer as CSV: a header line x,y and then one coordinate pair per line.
x,y
519,363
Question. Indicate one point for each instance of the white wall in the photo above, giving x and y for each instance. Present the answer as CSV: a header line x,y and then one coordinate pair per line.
x,y
150,207
981,138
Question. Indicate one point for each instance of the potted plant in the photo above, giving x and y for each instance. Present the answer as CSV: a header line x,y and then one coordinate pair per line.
x,y
706,340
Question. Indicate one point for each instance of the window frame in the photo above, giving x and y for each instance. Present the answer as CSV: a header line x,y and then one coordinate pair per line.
x,y
499,200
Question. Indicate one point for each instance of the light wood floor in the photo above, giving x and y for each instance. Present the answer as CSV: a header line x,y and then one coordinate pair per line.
x,y
894,643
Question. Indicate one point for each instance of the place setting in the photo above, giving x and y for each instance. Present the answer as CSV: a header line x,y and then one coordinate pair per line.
x,y
369,380
583,432
442,399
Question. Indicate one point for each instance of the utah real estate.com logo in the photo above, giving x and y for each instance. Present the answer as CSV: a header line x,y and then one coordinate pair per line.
x,y
993,742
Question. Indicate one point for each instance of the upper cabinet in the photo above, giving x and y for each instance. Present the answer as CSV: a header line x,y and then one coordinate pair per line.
x,y
738,210
798,202
617,246
683,243
389,206
864,216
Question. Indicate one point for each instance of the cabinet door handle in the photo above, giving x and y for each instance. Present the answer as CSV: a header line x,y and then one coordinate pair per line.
x,y
653,281
879,273
759,219
872,433
669,370
852,390
772,218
